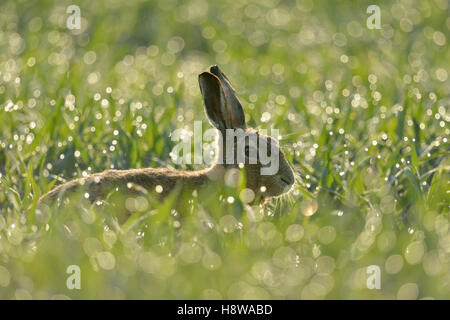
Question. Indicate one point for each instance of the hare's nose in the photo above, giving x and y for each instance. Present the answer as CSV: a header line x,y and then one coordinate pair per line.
x,y
288,178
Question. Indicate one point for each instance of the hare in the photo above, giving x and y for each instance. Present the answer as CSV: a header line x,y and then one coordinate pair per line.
x,y
224,112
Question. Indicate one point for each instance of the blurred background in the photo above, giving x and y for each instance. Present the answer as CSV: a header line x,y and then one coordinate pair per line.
x,y
363,116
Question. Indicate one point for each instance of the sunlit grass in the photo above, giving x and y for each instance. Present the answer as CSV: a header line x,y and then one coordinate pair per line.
x,y
363,116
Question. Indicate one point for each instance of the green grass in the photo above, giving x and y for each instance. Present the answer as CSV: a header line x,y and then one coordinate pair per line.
x,y
363,114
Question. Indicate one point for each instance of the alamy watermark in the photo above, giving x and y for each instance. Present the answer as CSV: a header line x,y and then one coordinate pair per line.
x,y
74,280
374,278
239,146
73,22
374,20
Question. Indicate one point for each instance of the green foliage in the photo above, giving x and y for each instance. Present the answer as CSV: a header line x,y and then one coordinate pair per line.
x,y
363,116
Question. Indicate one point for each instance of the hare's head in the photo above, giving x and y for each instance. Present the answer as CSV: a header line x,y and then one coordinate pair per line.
x,y
267,170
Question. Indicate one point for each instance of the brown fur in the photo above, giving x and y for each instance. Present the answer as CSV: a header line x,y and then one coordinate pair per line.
x,y
99,184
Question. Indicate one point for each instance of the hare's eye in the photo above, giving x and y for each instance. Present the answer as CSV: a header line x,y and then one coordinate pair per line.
x,y
247,151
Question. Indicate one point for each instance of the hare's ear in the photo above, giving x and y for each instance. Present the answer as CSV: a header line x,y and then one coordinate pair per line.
x,y
221,104
234,107
214,100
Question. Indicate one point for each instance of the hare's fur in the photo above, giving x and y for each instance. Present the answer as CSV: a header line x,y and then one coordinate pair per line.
x,y
99,184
